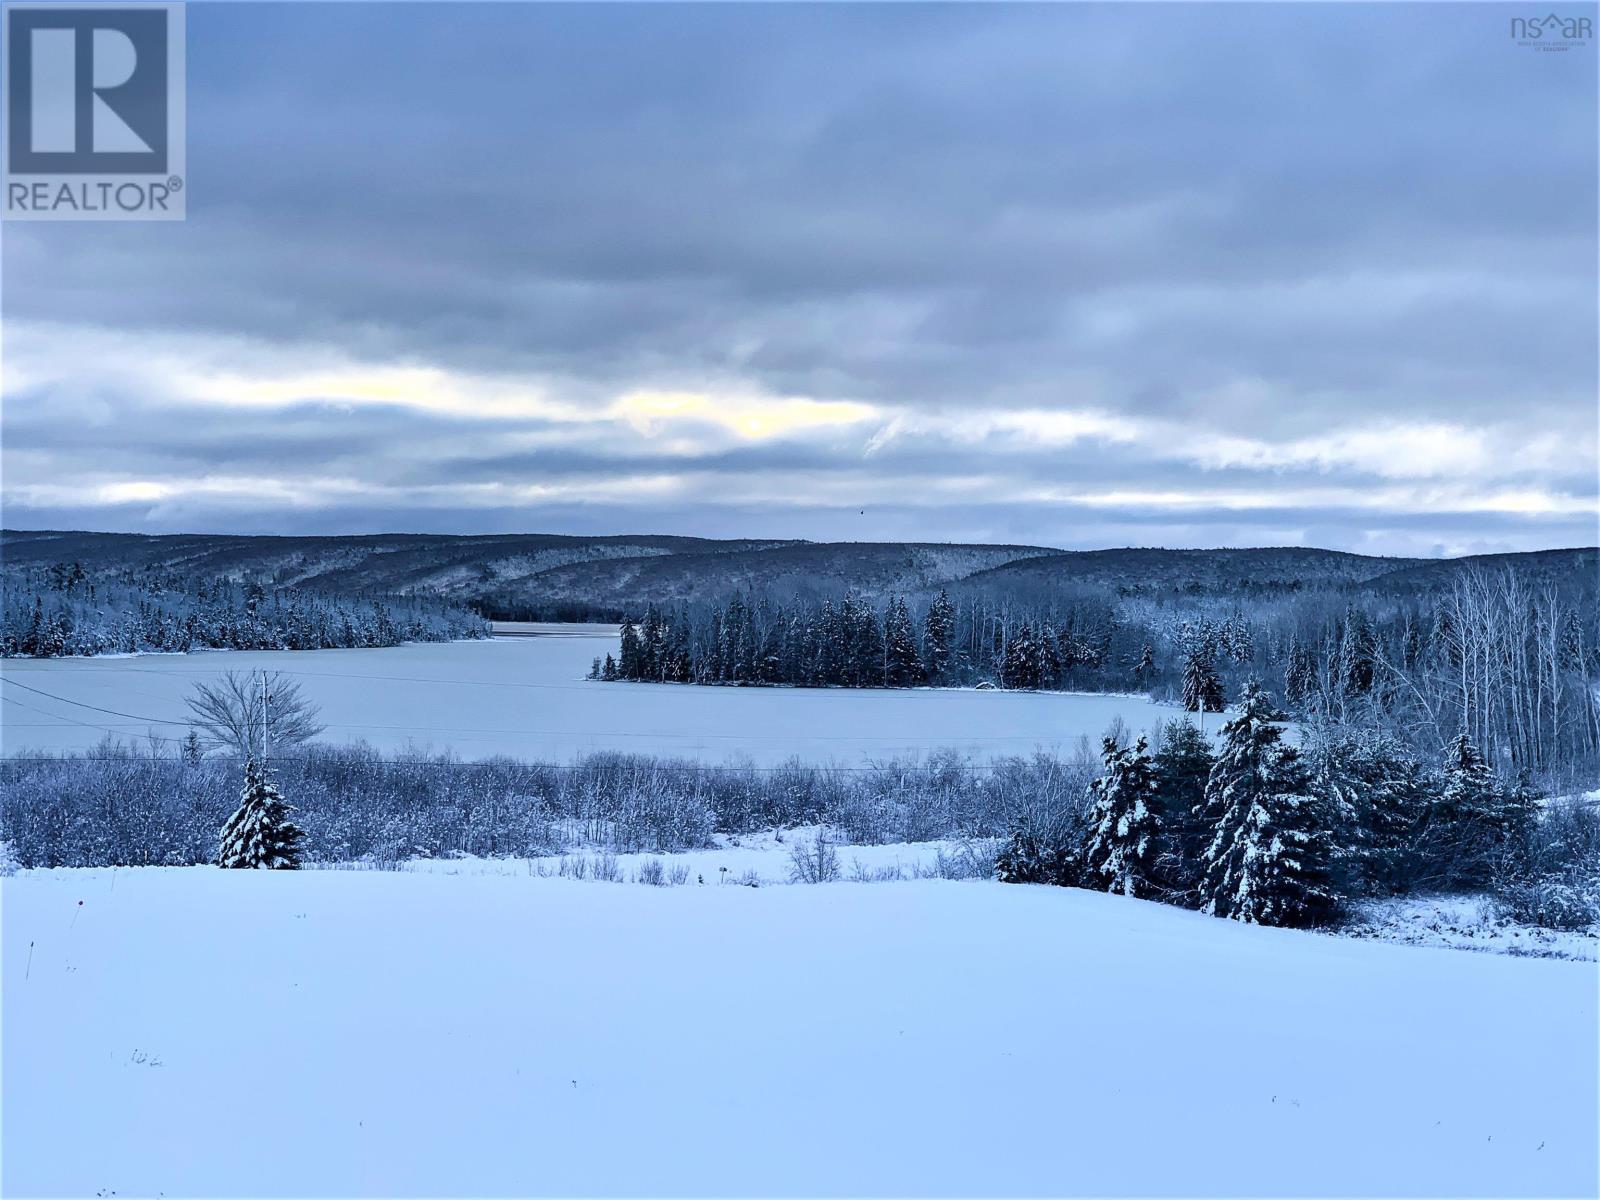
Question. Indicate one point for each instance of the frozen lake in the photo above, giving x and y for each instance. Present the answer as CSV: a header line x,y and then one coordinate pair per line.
x,y
527,697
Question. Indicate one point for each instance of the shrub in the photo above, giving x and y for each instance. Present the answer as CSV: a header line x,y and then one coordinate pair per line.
x,y
814,862
1550,876
1568,902
973,859
860,872
652,872
1028,856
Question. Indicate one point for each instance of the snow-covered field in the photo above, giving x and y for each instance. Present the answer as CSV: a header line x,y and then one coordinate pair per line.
x,y
196,1032
1464,923
763,859
527,697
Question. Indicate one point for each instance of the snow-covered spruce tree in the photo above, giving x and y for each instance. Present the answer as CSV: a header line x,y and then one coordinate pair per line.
x,y
1474,824
1357,654
1182,765
1299,676
1375,791
938,628
1124,839
1019,668
631,665
1145,669
260,833
1202,690
902,662
1270,856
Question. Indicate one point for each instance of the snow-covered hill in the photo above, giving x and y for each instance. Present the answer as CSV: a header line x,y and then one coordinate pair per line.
x,y
195,1032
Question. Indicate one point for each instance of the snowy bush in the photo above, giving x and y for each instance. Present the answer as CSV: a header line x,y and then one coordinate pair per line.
x,y
816,861
1027,857
1047,818
652,872
8,860
1567,902
122,806
972,859
860,872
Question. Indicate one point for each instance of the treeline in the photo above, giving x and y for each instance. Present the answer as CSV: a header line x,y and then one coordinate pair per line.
x,y
1511,663
1263,832
853,643
64,610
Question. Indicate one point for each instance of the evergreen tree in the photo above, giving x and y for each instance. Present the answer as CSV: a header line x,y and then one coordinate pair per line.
x,y
1182,765
1049,658
650,645
260,833
902,664
1020,667
1123,846
1475,824
863,664
1270,857
1202,690
1027,856
1358,654
1299,676
772,655
1374,791
831,645
938,630
1145,669
630,664
1237,639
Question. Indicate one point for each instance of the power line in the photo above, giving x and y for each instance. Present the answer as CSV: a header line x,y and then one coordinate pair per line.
x,y
589,733
499,763
57,718
511,683
95,707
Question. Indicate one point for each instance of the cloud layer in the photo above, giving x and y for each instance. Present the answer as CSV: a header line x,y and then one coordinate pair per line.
x,y
1078,275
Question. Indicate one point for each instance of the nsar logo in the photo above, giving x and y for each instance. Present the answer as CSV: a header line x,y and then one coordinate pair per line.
x,y
1551,32
94,104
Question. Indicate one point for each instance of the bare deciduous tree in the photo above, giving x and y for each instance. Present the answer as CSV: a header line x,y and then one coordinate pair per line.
x,y
252,713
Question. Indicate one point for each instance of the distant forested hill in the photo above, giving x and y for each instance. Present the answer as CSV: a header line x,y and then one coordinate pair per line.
x,y
67,609
540,575
534,576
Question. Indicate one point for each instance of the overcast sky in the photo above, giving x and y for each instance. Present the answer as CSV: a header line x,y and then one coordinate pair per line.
x,y
1070,275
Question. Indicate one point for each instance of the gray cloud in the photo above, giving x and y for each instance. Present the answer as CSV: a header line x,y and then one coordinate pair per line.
x,y
1273,223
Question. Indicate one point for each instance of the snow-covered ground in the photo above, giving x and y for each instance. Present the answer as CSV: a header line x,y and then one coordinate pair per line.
x,y
1464,923
763,859
198,1032
526,697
